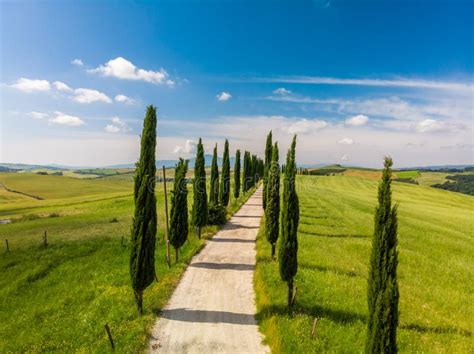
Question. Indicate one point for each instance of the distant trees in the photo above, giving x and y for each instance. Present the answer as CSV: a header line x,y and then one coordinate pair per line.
x,y
272,212
237,175
382,294
268,160
179,207
214,190
199,213
225,183
288,249
142,258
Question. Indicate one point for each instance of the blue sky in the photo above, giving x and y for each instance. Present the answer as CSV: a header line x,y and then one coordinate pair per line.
x,y
354,80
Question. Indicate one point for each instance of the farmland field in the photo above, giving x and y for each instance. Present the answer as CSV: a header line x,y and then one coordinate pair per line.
x,y
436,268
60,297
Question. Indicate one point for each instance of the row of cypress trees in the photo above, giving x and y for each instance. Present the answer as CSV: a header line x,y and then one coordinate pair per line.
x,y
288,247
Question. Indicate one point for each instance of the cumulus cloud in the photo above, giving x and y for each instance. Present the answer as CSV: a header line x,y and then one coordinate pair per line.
x,y
346,141
61,86
430,126
31,85
77,62
83,95
224,96
124,99
65,119
38,115
282,91
117,126
357,120
121,68
305,126
188,148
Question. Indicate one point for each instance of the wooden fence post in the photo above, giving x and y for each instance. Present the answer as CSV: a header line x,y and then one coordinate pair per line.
x,y
313,330
110,336
8,247
45,239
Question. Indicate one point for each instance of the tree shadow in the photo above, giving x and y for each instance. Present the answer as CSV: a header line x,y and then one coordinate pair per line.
x,y
233,226
332,235
238,240
205,316
442,330
334,270
223,266
246,216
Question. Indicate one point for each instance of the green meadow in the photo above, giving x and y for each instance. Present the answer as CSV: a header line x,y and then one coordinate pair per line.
x,y
436,269
59,297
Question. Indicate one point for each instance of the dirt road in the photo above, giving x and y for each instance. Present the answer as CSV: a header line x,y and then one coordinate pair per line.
x,y
212,309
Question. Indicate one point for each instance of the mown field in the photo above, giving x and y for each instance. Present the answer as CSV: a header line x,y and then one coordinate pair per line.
x,y
59,298
436,268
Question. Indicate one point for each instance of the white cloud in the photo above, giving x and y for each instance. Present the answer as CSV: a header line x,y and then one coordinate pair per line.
x,y
31,85
357,120
305,126
401,82
344,157
61,86
430,126
282,91
117,126
224,96
346,141
121,68
124,99
38,115
77,62
65,119
83,95
188,148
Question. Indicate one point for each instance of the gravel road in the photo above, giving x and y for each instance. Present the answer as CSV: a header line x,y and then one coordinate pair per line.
x,y
212,309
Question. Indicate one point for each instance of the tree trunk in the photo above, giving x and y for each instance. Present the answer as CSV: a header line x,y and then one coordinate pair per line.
x,y
290,293
273,251
139,301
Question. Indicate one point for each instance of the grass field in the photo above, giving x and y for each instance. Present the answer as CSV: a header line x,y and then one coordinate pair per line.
x,y
60,297
436,269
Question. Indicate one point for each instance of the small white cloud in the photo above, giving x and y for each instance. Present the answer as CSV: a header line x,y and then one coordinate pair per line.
x,y
305,126
117,126
344,157
282,91
357,120
430,126
346,141
224,96
77,62
188,148
61,86
65,119
38,115
121,68
29,85
83,95
124,99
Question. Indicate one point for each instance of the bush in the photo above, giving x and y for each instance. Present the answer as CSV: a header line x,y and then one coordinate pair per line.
x,y
217,214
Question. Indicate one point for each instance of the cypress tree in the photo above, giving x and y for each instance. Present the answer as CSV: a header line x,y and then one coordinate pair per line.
x,y
272,212
237,175
288,249
199,187
247,172
268,161
214,190
253,168
179,207
142,258
225,183
382,293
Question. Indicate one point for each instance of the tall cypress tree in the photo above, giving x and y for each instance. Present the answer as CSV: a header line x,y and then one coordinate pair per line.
x,y
237,175
214,190
268,161
382,294
254,170
272,212
288,249
179,207
225,183
199,187
247,172
142,259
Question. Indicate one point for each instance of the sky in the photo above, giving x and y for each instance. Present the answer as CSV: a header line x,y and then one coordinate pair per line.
x,y
355,80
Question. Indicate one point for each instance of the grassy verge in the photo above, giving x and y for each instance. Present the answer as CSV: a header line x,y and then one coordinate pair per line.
x,y
336,225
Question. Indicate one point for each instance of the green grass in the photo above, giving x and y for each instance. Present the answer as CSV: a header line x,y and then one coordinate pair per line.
x,y
407,174
336,224
59,298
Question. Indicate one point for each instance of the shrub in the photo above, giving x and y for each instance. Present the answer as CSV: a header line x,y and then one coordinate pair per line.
x,y
217,214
